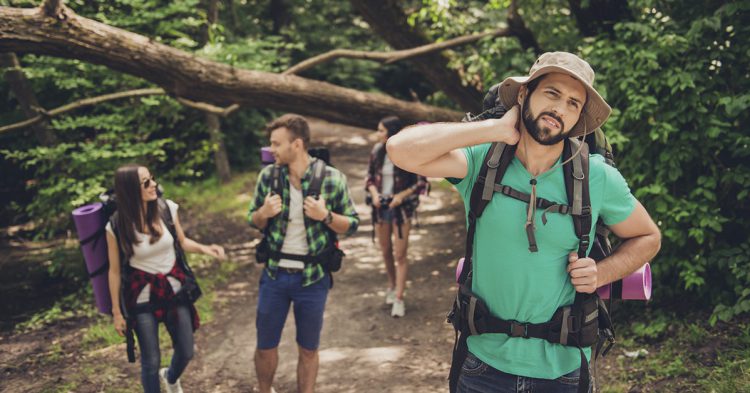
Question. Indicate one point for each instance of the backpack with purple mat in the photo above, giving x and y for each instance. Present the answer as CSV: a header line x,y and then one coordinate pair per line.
x,y
91,221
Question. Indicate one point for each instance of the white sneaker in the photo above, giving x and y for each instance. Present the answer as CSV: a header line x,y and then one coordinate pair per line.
x,y
399,309
171,387
390,296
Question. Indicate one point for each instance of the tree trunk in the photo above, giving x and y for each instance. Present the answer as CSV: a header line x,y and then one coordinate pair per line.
x,y
232,8
212,15
220,151
185,75
279,11
389,21
213,122
599,16
21,89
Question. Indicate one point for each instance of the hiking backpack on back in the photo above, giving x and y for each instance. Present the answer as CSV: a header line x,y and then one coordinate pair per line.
x,y
584,323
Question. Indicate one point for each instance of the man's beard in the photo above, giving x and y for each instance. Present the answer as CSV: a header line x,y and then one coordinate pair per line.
x,y
543,135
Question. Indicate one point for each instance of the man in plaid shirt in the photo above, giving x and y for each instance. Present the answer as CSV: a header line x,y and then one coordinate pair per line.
x,y
295,224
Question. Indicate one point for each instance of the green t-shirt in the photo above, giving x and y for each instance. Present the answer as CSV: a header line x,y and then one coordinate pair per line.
x,y
520,285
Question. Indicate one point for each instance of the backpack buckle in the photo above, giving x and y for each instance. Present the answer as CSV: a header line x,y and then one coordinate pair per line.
x,y
519,329
586,210
585,240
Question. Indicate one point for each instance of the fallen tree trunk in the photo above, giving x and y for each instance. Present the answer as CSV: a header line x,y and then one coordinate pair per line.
x,y
184,75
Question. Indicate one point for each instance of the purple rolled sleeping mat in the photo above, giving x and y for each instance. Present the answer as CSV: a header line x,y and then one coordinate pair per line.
x,y
636,286
266,157
90,221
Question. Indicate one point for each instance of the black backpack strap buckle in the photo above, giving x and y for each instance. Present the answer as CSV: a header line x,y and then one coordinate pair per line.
x,y
518,329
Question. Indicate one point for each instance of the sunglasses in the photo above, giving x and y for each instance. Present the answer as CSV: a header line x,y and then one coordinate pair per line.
x,y
147,183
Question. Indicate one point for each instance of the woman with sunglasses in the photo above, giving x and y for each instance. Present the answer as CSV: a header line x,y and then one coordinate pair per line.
x,y
394,196
141,240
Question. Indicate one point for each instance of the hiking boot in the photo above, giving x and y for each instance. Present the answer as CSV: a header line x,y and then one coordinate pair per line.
x,y
390,296
399,309
171,387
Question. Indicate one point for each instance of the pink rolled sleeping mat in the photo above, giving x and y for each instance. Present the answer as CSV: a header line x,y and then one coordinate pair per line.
x,y
90,221
636,286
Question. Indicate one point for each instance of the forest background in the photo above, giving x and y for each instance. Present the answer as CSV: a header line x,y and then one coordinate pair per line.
x,y
676,73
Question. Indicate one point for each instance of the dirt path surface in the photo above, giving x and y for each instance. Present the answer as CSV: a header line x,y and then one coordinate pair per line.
x,y
363,349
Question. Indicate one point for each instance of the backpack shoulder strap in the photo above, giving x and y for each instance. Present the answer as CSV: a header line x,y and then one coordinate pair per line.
x,y
319,173
276,185
495,163
166,216
576,174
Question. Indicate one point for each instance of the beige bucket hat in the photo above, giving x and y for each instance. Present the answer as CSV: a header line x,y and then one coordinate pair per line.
x,y
595,110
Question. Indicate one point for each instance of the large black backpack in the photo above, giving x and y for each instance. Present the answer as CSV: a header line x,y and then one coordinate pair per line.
x,y
586,322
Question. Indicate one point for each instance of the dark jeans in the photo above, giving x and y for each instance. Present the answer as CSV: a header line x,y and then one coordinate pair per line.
x,y
181,331
479,377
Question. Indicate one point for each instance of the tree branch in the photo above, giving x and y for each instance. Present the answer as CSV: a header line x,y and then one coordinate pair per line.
x,y
386,57
80,104
392,56
184,75
388,19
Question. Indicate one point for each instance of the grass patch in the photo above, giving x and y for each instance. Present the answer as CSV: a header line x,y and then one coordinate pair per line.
x,y
101,334
210,197
684,354
76,305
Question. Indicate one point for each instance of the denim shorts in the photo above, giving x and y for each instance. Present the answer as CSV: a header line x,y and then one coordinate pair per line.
x,y
479,377
274,299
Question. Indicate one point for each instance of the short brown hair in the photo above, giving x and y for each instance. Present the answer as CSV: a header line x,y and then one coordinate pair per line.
x,y
296,124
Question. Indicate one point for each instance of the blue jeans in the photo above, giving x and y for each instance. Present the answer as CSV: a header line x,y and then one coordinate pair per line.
x,y
479,377
274,298
147,331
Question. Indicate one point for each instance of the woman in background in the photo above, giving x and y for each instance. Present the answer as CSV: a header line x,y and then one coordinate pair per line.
x,y
394,196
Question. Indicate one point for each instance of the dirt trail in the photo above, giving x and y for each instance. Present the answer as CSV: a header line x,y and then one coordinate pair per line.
x,y
363,349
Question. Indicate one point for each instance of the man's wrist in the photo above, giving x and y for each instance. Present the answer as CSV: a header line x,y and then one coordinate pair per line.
x,y
328,219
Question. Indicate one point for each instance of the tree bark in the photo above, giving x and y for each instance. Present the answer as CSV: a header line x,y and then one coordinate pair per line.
x,y
221,158
389,21
21,89
185,75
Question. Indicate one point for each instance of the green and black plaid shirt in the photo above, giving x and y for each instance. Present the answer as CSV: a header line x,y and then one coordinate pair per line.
x,y
336,195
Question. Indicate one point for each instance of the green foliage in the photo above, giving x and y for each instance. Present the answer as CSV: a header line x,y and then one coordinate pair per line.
x,y
681,88
75,305
674,71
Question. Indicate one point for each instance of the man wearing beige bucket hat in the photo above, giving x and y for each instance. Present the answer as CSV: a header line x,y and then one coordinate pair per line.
x,y
527,253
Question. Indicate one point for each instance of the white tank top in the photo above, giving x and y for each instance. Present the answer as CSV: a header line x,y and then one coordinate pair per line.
x,y
157,258
386,188
295,240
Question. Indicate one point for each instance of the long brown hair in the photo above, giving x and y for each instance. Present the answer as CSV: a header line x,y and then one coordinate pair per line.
x,y
128,190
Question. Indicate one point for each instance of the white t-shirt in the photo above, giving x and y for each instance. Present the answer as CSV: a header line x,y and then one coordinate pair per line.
x,y
157,258
386,188
295,240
